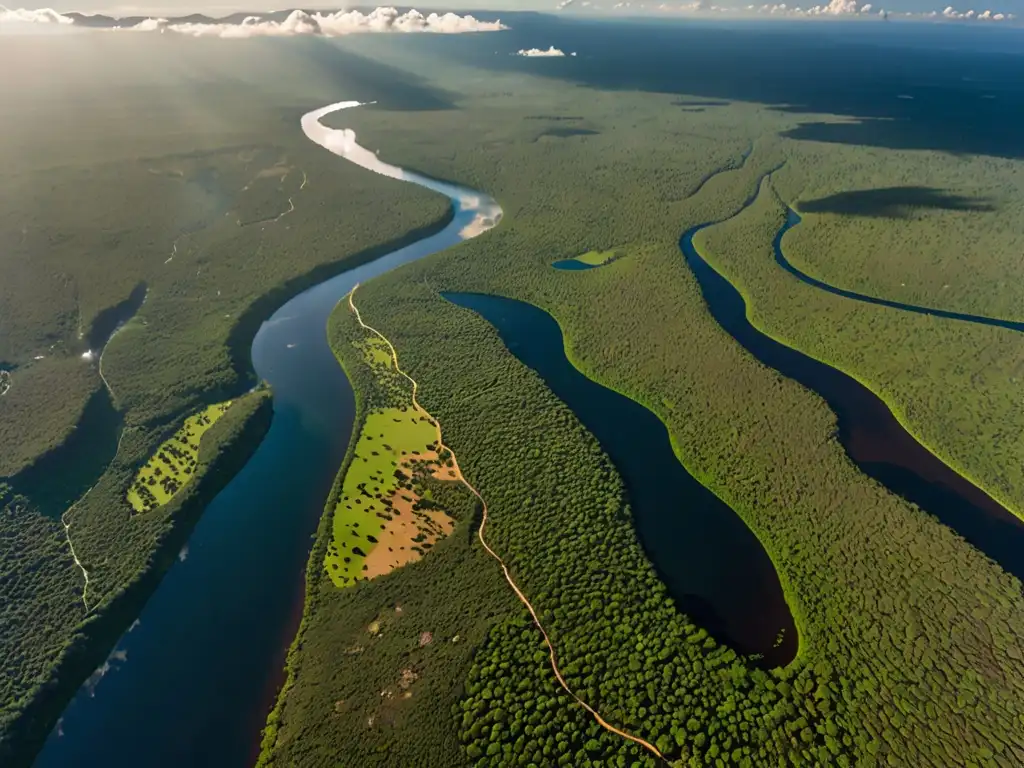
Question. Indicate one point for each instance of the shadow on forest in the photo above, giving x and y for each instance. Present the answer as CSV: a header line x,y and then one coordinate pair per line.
x,y
63,474
893,202
108,320
565,133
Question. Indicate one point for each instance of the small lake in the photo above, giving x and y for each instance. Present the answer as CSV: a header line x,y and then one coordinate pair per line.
x,y
573,265
713,565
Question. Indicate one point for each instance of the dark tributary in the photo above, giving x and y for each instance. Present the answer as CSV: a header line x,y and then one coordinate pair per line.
x,y
793,218
713,565
872,436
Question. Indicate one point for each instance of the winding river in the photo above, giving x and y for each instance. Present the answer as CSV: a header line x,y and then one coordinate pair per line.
x,y
872,436
191,683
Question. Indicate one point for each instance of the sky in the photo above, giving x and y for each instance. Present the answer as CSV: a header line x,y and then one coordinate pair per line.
x,y
174,7
952,9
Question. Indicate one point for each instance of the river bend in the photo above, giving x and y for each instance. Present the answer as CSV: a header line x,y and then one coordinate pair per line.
x,y
872,436
712,564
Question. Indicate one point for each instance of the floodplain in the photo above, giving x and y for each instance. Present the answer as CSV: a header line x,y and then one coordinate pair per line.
x,y
909,636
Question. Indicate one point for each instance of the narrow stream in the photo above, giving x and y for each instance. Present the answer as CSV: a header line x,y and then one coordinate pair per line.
x,y
192,682
793,219
711,562
873,438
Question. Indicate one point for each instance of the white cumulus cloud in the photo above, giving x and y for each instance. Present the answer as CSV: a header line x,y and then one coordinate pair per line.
x,y
952,13
551,52
35,16
300,23
832,8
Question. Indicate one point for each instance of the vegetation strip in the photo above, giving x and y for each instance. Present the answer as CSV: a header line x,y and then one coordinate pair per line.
x,y
173,464
65,521
899,460
480,534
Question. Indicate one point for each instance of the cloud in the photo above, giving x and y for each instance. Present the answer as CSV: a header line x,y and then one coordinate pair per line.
x,y
834,8
952,13
37,16
299,23
551,52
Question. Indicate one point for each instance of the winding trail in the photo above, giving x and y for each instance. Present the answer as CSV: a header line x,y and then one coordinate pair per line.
x,y
65,520
793,219
480,534
71,546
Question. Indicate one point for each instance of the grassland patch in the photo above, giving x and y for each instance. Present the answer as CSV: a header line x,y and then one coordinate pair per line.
x,y
171,468
597,258
376,352
384,519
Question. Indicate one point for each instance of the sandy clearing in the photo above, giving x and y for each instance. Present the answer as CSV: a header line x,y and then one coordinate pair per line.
x,y
395,542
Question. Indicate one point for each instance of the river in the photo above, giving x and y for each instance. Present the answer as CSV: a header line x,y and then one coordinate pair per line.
x,y
793,219
713,565
872,436
192,681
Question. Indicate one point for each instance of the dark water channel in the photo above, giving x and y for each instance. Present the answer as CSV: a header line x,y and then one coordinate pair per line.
x,y
192,682
713,565
873,438
573,265
793,219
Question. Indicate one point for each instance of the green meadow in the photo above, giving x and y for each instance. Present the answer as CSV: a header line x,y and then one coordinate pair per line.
x,y
171,468
391,439
597,258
